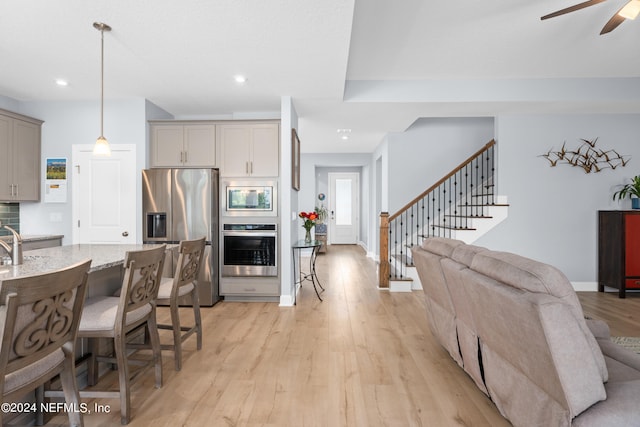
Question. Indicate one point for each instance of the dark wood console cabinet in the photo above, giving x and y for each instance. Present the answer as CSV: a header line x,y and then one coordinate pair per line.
x,y
619,250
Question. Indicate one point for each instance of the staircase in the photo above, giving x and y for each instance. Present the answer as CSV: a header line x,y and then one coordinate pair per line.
x,y
462,205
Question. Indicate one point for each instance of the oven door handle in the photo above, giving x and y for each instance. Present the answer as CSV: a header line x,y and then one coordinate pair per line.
x,y
248,234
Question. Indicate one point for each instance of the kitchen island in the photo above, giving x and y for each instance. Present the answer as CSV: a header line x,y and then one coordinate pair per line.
x,y
105,274
105,278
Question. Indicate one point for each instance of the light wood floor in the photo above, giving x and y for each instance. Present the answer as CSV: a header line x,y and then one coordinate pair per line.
x,y
622,315
363,357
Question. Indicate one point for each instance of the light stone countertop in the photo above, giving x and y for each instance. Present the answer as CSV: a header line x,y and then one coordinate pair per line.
x,y
34,238
48,259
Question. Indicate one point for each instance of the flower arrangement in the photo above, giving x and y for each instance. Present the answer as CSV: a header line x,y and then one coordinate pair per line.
x,y
310,219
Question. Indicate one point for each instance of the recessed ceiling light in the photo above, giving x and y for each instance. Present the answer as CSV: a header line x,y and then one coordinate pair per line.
x,y
344,133
62,82
240,79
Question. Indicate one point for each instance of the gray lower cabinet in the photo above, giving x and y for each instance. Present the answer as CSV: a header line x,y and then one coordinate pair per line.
x,y
249,287
19,158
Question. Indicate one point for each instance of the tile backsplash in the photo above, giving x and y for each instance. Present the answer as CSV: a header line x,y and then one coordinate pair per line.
x,y
10,215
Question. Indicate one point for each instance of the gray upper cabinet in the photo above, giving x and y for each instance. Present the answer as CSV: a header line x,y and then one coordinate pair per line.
x,y
183,145
250,149
19,157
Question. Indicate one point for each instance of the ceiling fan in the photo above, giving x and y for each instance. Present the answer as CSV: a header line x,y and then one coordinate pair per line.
x,y
630,10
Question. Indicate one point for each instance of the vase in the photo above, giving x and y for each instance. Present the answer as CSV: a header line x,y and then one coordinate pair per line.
x,y
307,236
635,203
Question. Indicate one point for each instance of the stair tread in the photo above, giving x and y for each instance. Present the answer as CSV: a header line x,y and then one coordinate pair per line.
x,y
398,278
488,206
447,227
470,216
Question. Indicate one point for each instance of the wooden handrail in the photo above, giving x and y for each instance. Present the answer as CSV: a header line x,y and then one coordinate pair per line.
x,y
434,186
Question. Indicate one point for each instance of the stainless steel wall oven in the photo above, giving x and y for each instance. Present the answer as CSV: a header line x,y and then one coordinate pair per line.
x,y
249,250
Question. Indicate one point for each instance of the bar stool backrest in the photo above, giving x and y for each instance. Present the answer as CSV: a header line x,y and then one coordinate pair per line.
x,y
142,274
189,262
39,314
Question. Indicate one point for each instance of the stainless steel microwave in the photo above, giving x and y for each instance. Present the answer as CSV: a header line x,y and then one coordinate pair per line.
x,y
250,198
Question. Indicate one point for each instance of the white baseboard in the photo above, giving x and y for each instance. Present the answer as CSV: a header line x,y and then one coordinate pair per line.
x,y
400,286
287,301
585,286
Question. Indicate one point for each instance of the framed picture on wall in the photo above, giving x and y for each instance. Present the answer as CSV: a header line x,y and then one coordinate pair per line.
x,y
295,160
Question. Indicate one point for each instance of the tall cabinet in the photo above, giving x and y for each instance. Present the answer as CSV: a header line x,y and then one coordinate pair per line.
x,y
19,157
619,250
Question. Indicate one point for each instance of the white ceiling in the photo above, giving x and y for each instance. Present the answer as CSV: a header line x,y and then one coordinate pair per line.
x,y
372,66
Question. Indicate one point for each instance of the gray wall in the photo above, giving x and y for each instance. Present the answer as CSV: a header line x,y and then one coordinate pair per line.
x,y
314,179
428,150
69,123
553,211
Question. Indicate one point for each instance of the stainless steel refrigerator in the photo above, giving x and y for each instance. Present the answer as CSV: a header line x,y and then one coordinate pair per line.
x,y
182,204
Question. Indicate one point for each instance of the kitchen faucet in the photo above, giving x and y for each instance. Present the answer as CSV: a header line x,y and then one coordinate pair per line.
x,y
16,251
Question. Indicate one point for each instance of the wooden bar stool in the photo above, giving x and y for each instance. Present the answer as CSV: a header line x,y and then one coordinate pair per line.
x,y
39,317
116,317
173,289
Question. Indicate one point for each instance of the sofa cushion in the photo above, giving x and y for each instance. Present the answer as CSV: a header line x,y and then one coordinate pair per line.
x,y
539,365
533,276
441,245
464,254
526,274
465,324
440,308
620,409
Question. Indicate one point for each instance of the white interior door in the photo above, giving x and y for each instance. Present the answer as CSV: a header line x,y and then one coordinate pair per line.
x,y
104,195
344,207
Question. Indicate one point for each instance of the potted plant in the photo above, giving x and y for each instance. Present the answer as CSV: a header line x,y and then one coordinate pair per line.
x,y
631,190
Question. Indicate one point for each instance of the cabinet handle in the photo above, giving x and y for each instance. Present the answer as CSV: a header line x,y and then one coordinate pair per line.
x,y
16,186
186,156
246,167
182,157
251,168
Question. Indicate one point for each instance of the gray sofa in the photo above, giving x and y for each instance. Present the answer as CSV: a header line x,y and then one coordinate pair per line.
x,y
517,328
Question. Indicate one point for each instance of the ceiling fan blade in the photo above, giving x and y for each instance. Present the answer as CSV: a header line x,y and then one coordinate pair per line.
x,y
613,23
572,8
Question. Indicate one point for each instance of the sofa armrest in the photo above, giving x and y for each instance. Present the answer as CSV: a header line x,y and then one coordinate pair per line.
x,y
619,353
598,328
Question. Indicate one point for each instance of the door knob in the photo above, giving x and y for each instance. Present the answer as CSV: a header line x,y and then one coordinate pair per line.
x,y
125,233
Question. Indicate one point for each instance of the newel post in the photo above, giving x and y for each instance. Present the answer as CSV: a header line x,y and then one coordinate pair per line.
x,y
383,271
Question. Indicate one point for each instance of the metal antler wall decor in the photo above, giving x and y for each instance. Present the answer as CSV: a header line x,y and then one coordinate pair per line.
x,y
587,156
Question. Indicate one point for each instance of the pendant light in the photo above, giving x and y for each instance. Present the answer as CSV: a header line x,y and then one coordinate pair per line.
x,y
101,147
